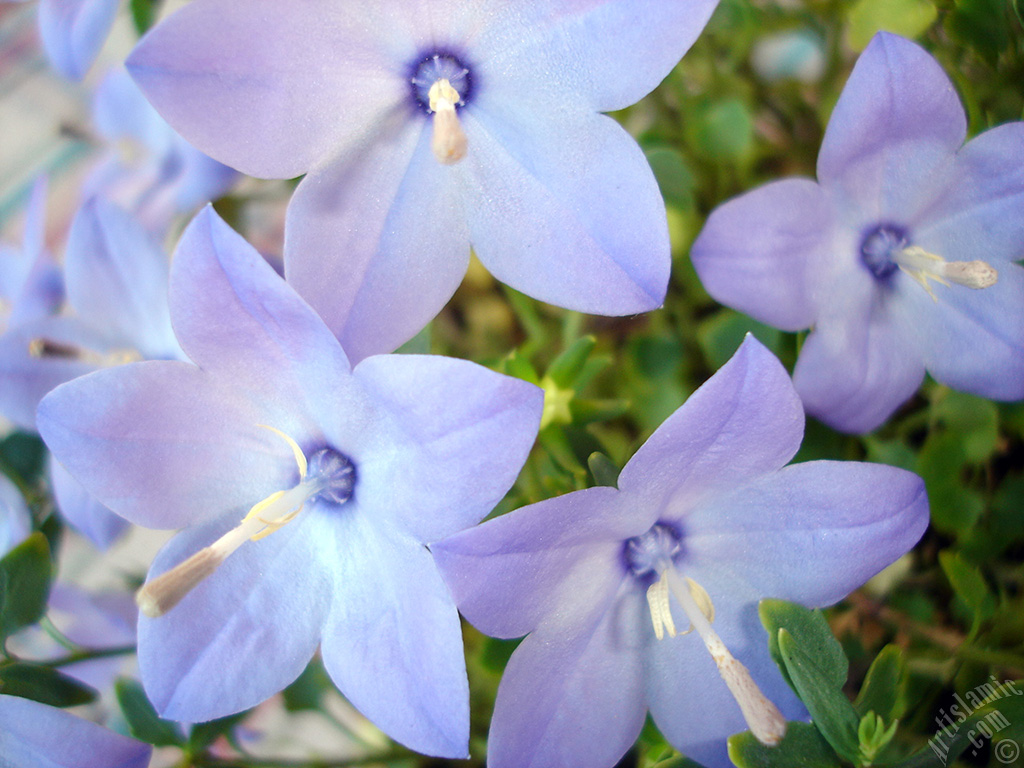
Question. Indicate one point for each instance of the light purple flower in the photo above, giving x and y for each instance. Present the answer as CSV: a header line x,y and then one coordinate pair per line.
x,y
705,502
427,126
73,32
33,734
149,169
15,518
347,476
890,256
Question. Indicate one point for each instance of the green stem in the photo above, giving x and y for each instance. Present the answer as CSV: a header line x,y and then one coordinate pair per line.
x,y
89,655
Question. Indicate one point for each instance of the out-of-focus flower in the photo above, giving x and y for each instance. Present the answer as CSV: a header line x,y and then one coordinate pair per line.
x,y
149,170
901,258
425,127
346,475
15,518
706,521
793,55
35,734
73,32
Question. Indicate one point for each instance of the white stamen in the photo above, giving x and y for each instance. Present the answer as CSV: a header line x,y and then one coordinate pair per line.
x,y
922,266
449,140
661,614
158,596
762,716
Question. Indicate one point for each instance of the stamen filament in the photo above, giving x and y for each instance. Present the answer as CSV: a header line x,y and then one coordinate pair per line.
x,y
449,140
762,716
922,266
661,614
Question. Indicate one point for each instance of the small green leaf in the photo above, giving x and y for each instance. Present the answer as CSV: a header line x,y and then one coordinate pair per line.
x,y
873,737
25,575
45,685
974,421
143,721
721,335
566,368
969,585
801,747
24,454
204,734
603,469
585,410
675,179
941,464
908,18
722,130
811,632
830,710
883,689
143,14
516,364
308,689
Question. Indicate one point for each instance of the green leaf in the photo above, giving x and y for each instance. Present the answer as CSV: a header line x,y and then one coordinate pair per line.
x,y
24,454
308,689
721,335
566,368
143,721
25,575
981,24
883,688
722,130
908,18
143,14
204,734
969,585
830,710
604,470
801,747
973,420
45,685
941,463
675,179
873,736
811,632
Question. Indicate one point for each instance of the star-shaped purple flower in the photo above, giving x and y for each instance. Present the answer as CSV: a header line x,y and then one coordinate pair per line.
x,y
308,492
706,521
35,734
901,257
425,127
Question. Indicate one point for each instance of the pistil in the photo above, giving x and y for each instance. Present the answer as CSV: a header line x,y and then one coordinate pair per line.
x,y
922,266
449,140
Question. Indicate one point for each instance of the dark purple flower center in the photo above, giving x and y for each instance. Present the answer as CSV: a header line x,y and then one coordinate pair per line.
x,y
435,66
879,247
336,472
647,554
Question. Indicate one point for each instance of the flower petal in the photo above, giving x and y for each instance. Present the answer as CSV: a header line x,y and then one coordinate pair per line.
x,y
511,572
73,32
15,518
83,511
980,215
856,368
164,444
813,532
893,133
116,279
248,630
746,420
762,253
563,206
271,89
376,242
392,642
608,53
39,735
461,435
971,340
573,699
234,315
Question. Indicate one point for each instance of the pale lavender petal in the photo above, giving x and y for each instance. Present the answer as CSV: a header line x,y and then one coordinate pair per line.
x,y
36,735
511,572
744,421
120,111
460,436
15,518
810,533
574,699
689,701
82,510
765,253
971,340
892,136
563,206
234,315
377,241
117,279
856,368
392,642
606,53
271,89
248,630
164,444
981,214
73,32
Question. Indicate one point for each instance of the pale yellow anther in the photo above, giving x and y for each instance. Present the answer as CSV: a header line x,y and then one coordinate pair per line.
x,y
449,140
924,266
51,349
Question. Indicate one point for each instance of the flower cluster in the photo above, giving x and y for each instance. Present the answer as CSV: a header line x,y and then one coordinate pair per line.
x,y
328,494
